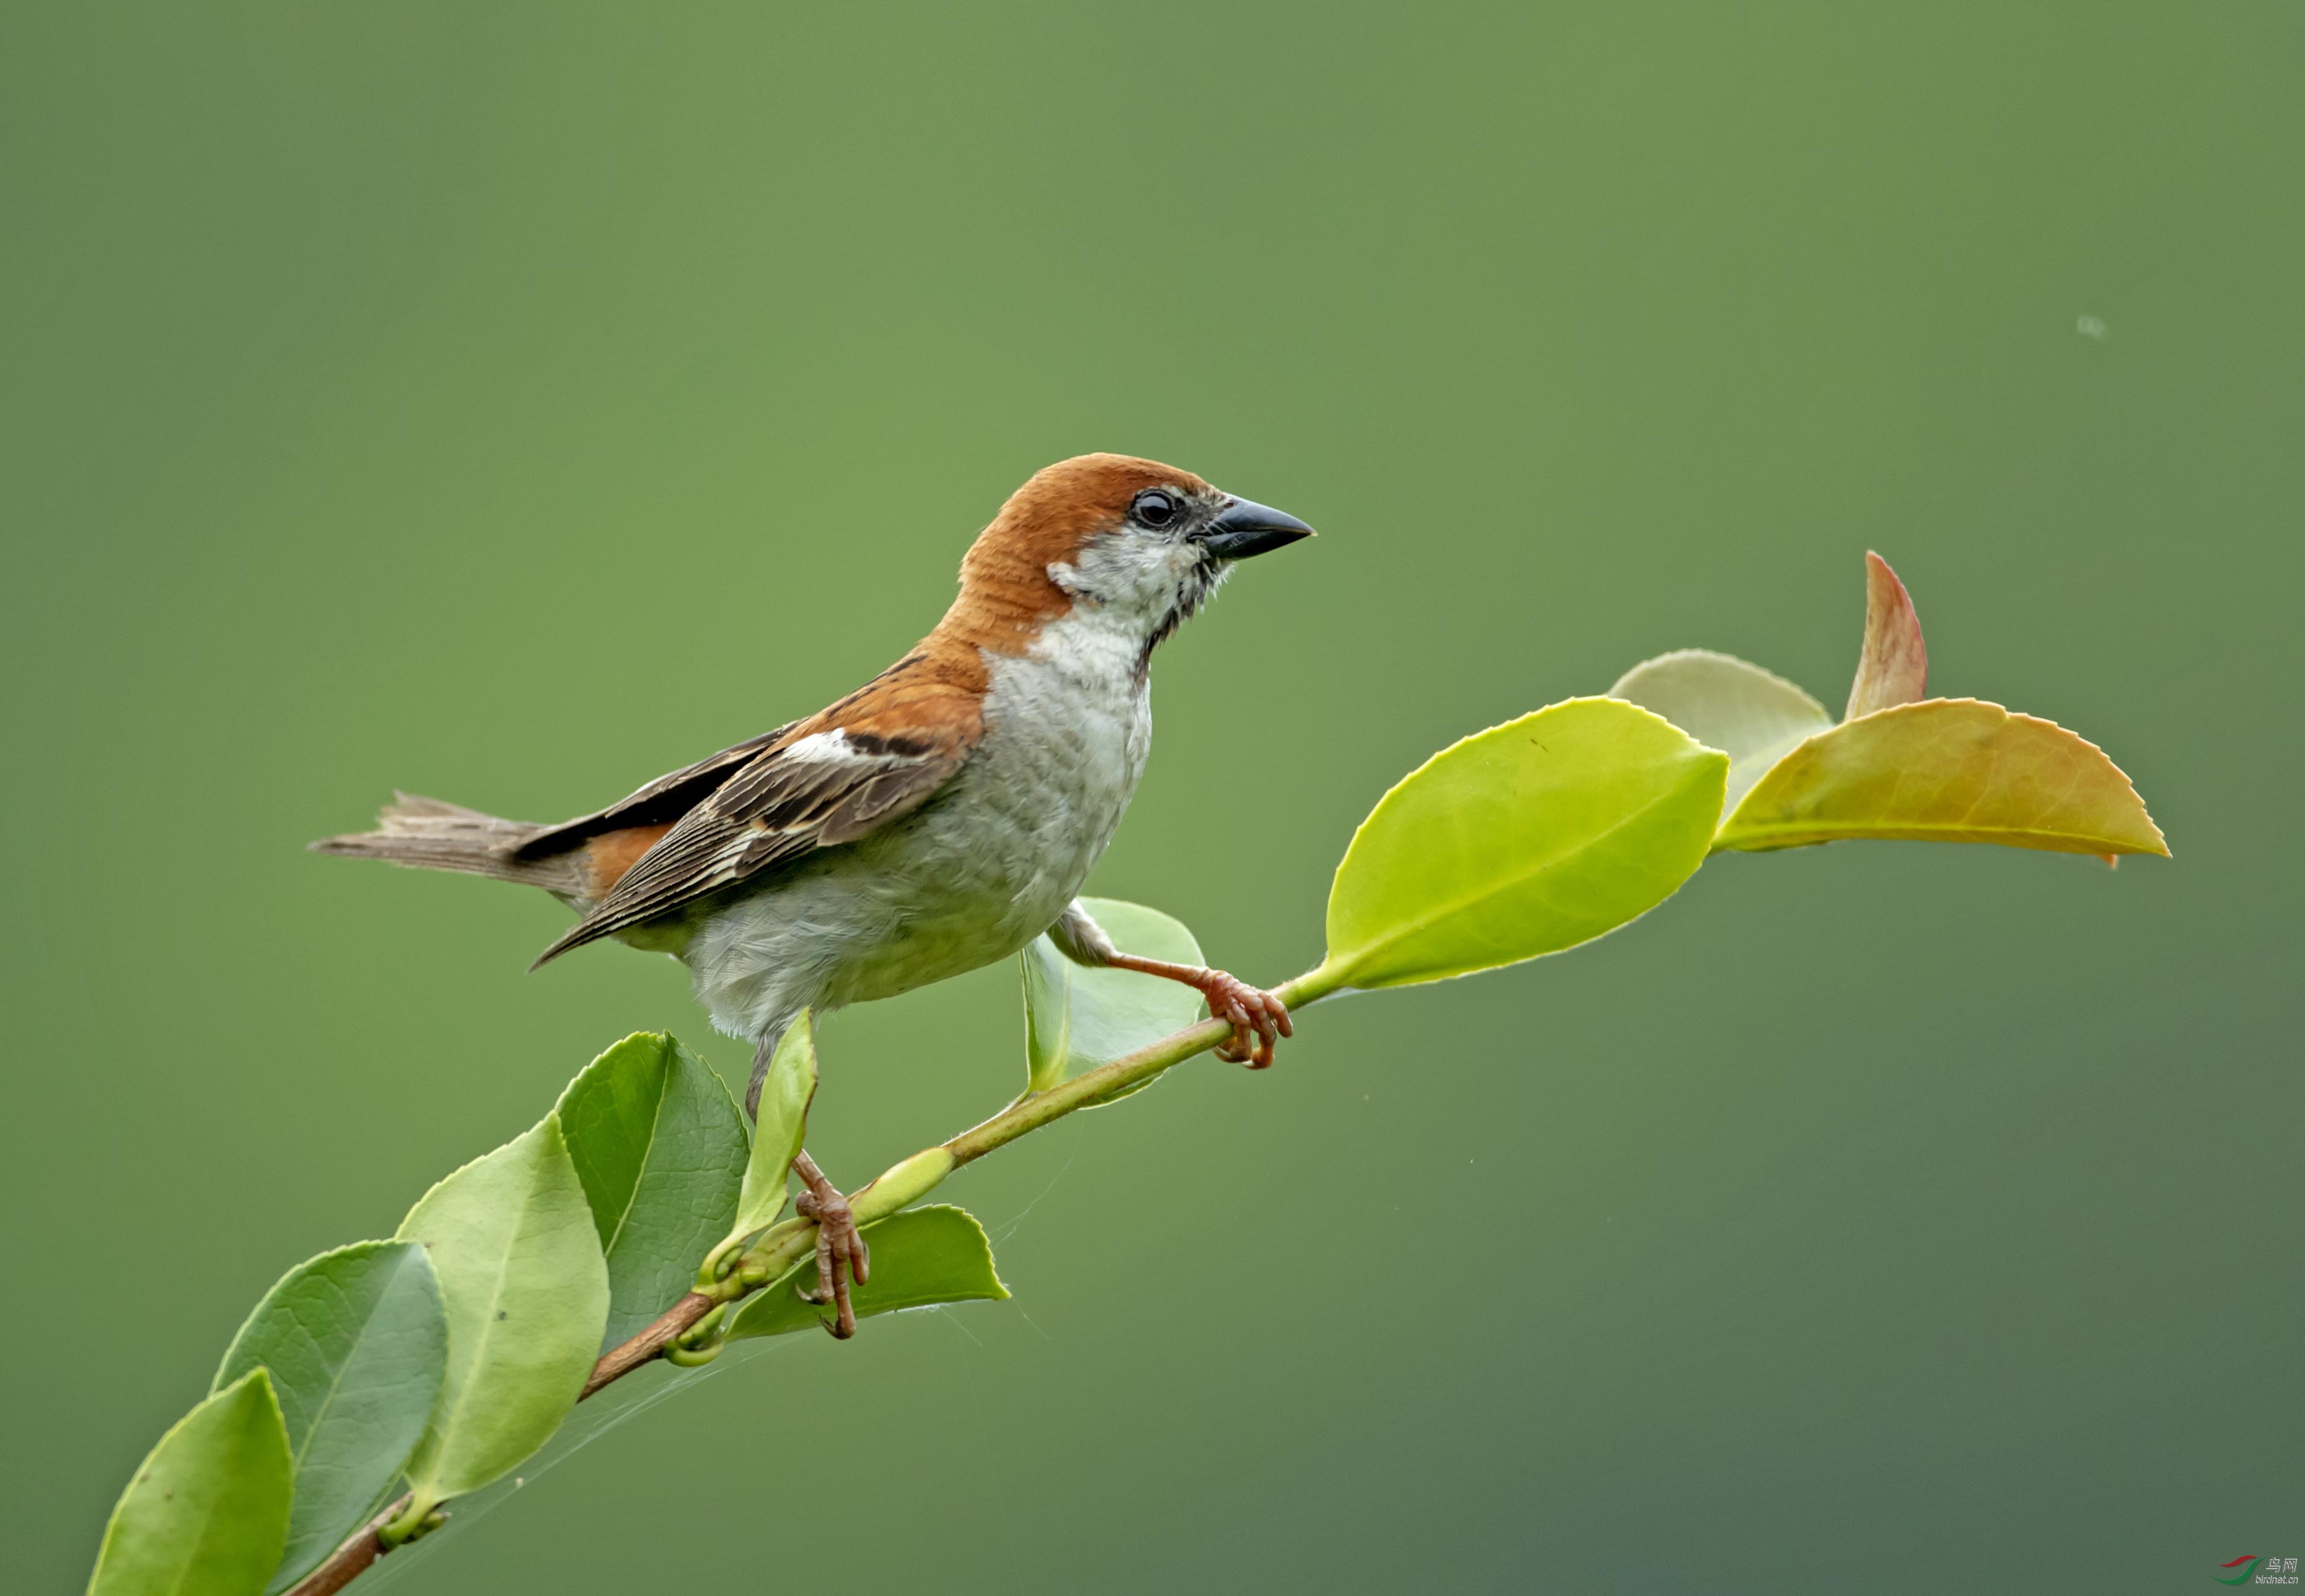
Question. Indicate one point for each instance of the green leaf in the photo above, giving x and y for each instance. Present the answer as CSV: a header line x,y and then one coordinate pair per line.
x,y
660,1147
357,1345
1526,840
1753,716
783,1120
512,1240
921,1257
1893,667
208,1509
1076,1017
1948,770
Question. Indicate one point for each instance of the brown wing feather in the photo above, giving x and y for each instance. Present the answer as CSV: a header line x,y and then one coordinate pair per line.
x,y
899,740
660,803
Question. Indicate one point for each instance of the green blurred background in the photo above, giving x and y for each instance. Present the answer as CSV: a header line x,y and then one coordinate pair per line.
x,y
512,402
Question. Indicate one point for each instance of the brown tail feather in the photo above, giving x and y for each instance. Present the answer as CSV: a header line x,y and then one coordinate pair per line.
x,y
426,833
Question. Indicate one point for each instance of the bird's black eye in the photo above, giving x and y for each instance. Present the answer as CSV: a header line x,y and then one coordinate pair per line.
x,y
1155,507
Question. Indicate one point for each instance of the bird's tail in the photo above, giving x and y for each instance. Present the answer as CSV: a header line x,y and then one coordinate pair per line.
x,y
427,834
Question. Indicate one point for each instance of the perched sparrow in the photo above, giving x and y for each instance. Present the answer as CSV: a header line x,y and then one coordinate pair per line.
x,y
935,821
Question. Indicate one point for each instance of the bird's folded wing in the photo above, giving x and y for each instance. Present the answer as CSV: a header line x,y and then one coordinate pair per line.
x,y
824,788
662,801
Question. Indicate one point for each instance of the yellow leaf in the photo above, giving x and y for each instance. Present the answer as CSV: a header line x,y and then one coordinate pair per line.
x,y
1953,770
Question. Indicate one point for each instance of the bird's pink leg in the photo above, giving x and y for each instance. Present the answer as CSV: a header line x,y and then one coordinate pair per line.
x,y
1256,1016
839,1243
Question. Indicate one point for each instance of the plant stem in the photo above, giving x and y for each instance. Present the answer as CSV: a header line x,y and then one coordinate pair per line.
x,y
785,1247
349,1561
1129,1070
620,1361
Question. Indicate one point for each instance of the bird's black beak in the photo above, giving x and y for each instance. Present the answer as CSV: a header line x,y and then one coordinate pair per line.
x,y
1245,528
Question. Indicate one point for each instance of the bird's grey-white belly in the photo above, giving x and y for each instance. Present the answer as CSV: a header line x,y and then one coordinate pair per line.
x,y
969,878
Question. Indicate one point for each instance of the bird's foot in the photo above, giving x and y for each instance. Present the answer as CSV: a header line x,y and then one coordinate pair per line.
x,y
841,1254
1258,1018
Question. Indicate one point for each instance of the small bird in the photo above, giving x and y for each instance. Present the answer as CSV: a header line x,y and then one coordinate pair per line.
x,y
933,821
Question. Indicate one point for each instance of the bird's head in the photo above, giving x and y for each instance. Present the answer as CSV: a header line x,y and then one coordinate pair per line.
x,y
1138,544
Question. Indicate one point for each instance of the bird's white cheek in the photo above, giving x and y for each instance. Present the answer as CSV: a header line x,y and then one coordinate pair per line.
x,y
1136,578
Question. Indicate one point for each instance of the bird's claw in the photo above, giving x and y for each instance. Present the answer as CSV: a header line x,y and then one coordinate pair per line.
x,y
841,1254
1257,1017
